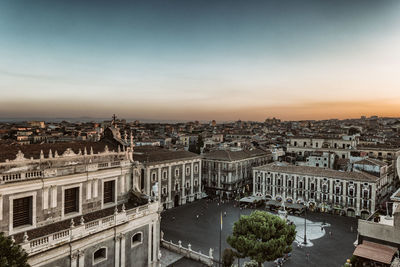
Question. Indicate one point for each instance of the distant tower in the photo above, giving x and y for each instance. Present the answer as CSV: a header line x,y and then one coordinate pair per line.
x,y
114,118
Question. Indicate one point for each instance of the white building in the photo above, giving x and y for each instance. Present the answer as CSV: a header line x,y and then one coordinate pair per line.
x,y
352,193
176,173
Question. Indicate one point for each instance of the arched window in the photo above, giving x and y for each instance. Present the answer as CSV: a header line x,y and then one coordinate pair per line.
x,y
99,255
137,239
176,172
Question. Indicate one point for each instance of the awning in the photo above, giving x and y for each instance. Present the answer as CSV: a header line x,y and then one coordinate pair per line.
x,y
376,252
295,206
273,203
250,199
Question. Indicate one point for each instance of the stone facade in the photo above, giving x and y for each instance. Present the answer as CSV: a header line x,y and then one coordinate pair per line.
x,y
73,206
171,177
343,192
226,172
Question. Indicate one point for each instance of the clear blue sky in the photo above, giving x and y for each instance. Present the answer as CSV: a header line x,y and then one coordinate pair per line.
x,y
200,60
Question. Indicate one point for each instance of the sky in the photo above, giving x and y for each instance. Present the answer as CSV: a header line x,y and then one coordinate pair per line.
x,y
200,60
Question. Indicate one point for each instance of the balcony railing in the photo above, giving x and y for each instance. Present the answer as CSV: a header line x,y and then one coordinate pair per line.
x,y
83,229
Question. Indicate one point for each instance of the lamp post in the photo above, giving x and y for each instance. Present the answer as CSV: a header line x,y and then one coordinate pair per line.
x,y
239,219
305,226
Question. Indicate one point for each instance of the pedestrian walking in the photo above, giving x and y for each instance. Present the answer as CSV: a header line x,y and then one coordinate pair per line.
x,y
351,229
225,213
308,256
330,233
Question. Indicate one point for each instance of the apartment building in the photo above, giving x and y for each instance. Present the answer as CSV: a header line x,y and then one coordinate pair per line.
x,y
350,193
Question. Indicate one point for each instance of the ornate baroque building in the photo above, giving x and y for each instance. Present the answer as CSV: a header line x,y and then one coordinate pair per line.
x,y
71,204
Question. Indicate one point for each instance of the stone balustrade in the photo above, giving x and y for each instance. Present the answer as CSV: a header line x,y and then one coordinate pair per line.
x,y
83,229
60,171
188,252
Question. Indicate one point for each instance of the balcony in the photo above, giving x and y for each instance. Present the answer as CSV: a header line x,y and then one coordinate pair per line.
x,y
53,235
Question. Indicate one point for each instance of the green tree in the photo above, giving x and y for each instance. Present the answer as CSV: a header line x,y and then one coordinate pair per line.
x,y
228,257
261,237
11,254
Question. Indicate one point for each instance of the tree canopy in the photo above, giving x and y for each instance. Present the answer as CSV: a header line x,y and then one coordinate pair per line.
x,y
11,254
262,237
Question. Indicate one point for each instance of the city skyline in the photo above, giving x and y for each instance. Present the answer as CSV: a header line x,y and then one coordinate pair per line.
x,y
191,60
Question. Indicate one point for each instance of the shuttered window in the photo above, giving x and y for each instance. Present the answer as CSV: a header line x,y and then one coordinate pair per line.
x,y
71,200
22,211
109,191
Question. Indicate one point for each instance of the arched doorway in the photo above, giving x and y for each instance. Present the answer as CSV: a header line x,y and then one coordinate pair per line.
x,y
364,214
351,212
176,201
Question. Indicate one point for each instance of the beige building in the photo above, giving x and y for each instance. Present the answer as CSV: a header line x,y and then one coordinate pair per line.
x,y
224,172
302,146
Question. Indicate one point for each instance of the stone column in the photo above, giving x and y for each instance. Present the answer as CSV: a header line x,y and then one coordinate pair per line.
x,y
318,193
294,188
123,250
122,184
159,184
372,198
219,175
200,177
273,184
147,181
284,188
191,179
169,182
254,182
263,182
74,259
154,241
117,250
183,175
53,196
88,189
81,261
149,245
95,188
344,193
331,190
45,198
358,189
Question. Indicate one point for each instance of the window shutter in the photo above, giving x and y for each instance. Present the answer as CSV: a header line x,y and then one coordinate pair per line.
x,y
22,211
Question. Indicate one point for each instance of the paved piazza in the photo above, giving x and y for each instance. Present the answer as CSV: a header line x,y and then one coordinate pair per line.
x,y
202,233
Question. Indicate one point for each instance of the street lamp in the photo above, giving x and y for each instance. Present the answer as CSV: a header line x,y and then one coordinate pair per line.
x,y
305,226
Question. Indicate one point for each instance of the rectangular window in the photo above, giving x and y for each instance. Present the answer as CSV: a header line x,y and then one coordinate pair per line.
x,y
22,211
109,190
71,200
